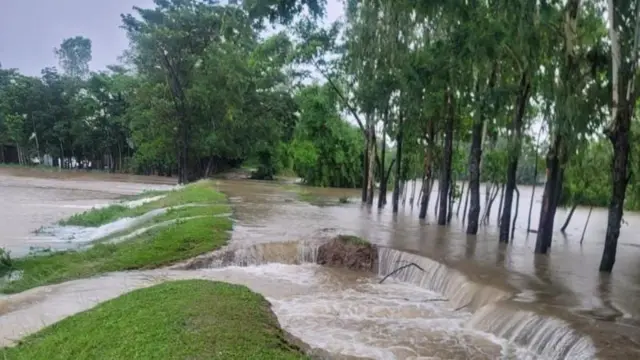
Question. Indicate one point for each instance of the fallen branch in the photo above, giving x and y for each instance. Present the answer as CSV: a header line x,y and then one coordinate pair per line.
x,y
400,268
462,307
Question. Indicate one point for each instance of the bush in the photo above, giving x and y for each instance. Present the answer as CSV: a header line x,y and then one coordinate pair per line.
x,y
6,263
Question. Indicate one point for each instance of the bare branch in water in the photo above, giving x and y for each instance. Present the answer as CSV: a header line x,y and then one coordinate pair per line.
x,y
399,269
463,306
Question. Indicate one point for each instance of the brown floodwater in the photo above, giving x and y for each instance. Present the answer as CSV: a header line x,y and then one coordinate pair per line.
x,y
28,202
472,298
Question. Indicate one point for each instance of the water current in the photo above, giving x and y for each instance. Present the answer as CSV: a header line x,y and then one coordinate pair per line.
x,y
470,298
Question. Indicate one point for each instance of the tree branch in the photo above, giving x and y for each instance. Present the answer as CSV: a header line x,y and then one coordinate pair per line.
x,y
399,269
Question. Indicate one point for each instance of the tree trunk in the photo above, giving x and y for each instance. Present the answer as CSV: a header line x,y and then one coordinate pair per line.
x,y
445,170
569,216
371,151
533,189
413,193
586,223
427,180
491,198
396,188
451,200
624,97
365,170
466,204
620,141
475,159
382,192
437,204
500,203
515,216
550,199
512,168
461,197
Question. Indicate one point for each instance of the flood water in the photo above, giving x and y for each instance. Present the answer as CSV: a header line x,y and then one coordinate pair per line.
x,y
27,203
473,298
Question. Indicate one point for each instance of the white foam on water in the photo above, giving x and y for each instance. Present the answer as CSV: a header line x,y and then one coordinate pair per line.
x,y
140,202
383,321
304,275
82,234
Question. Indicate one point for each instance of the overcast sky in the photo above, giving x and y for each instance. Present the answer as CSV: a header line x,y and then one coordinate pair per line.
x,y
31,29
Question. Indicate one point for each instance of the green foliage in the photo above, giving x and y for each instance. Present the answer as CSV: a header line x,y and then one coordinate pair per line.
x,y
326,149
353,240
6,263
190,319
74,55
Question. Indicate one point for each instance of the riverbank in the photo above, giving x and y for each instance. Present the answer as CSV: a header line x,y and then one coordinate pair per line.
x,y
193,319
177,226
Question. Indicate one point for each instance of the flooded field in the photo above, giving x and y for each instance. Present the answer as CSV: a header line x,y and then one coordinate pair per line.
x,y
27,202
471,298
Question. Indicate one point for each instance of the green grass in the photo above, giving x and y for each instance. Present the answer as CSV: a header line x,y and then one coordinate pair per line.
x,y
198,193
157,247
194,319
353,240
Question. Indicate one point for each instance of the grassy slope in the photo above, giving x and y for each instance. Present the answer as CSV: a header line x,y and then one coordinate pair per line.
x,y
199,193
158,247
215,321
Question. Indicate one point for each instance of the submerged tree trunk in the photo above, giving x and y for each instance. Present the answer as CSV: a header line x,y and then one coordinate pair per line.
x,y
427,181
620,141
533,188
550,199
436,207
569,216
371,150
445,171
365,170
624,97
396,188
512,167
451,200
475,159
557,154
461,197
515,216
413,193
466,204
382,191
586,223
492,193
500,203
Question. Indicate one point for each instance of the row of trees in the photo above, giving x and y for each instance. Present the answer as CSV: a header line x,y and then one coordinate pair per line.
x,y
434,75
199,91
449,90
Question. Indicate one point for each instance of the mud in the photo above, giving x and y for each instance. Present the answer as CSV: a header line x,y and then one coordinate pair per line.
x,y
349,252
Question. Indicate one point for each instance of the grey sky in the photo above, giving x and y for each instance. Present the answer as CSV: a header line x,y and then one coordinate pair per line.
x,y
31,29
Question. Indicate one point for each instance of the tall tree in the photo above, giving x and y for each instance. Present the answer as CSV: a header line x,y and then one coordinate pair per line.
x,y
624,35
74,55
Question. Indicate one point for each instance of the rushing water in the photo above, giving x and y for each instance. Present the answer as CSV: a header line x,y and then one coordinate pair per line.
x,y
470,298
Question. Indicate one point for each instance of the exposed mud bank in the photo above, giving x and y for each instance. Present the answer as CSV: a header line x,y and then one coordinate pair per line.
x,y
349,252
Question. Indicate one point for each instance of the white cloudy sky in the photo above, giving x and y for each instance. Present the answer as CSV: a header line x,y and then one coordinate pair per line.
x,y
31,29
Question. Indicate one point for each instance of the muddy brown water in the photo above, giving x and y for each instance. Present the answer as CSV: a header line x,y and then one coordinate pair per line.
x,y
475,299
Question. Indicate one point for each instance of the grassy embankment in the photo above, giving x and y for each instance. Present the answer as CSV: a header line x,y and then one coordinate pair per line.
x,y
193,319
160,246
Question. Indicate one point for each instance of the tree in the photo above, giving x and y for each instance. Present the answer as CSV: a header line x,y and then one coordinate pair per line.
x,y
74,55
624,33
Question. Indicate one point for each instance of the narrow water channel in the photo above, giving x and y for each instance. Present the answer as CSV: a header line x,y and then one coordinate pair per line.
x,y
470,299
